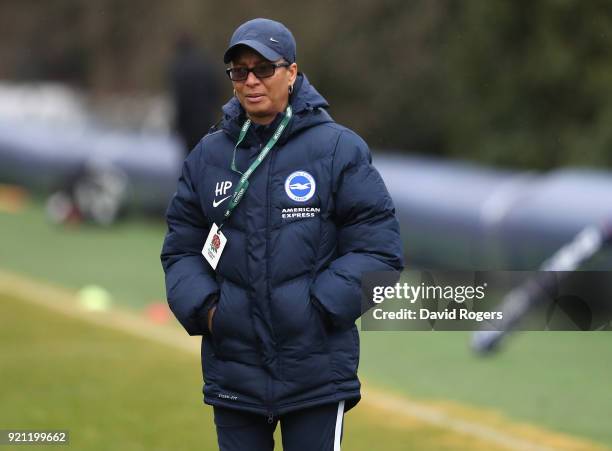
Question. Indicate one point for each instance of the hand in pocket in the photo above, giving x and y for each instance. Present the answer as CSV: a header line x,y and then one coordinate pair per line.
x,y
211,313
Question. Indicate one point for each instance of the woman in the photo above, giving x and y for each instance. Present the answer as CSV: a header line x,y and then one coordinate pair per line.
x,y
277,215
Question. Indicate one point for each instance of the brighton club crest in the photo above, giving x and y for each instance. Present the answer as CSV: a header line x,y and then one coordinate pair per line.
x,y
300,186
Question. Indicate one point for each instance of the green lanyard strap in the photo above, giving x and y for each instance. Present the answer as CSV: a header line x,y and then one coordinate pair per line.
x,y
243,183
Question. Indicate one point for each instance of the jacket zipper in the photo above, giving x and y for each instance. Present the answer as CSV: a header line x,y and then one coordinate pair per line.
x,y
268,283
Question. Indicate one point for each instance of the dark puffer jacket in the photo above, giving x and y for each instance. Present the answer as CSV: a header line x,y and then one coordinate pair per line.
x,y
316,216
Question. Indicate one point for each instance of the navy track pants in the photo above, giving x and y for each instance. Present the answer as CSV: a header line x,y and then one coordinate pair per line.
x,y
313,429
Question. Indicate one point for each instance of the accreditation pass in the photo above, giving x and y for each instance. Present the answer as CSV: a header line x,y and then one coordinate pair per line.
x,y
214,245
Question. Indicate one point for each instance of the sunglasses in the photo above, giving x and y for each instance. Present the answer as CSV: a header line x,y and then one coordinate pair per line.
x,y
263,70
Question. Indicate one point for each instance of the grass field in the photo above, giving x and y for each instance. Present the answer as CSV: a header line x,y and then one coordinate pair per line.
x,y
56,369
115,391
124,259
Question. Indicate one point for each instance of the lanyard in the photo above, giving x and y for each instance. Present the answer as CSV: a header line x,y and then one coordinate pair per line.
x,y
243,183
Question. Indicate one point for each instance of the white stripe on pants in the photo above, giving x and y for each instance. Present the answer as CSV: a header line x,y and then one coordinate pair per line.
x,y
338,433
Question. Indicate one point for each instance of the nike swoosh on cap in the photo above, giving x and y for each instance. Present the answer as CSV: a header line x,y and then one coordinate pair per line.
x,y
216,204
273,40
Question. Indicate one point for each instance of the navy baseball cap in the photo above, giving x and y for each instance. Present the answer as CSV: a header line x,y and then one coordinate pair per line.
x,y
269,38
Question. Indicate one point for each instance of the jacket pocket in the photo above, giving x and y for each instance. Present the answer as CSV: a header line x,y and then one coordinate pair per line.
x,y
217,328
300,326
311,338
233,335
320,324
219,320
